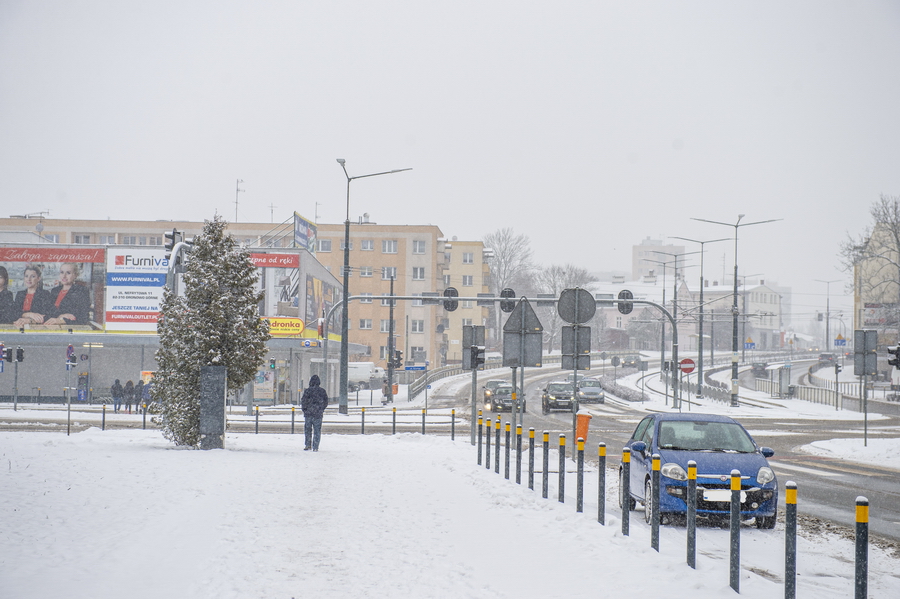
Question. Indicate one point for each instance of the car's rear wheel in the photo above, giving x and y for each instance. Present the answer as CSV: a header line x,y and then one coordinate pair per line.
x,y
765,522
648,502
623,493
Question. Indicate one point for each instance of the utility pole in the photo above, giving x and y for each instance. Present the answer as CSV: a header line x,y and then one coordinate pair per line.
x,y
237,190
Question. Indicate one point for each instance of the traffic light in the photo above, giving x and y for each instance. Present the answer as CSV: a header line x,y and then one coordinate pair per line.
x,y
7,354
70,356
894,355
20,354
451,304
398,358
507,304
625,307
272,363
477,356
171,240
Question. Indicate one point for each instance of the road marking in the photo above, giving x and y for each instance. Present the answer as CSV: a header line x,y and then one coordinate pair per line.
x,y
802,469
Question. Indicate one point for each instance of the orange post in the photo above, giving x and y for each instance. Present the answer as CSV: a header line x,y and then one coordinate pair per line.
x,y
582,423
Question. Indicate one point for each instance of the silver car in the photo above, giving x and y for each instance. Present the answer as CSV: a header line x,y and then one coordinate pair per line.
x,y
590,391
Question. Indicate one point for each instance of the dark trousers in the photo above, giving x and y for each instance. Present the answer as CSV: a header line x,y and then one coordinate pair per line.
x,y
312,428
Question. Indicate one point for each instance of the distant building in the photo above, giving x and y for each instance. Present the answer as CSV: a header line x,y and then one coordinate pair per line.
x,y
648,250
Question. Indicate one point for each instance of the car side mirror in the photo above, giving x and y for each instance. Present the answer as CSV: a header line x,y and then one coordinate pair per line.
x,y
639,446
767,452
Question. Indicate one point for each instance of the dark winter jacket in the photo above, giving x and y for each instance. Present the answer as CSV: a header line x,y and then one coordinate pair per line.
x,y
314,400
76,302
116,390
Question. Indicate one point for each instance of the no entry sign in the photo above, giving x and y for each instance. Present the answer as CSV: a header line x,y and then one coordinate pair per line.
x,y
686,365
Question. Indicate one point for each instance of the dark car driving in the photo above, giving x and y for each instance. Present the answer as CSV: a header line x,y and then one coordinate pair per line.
x,y
718,444
557,396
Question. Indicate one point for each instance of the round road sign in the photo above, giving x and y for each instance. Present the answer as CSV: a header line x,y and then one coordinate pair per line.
x,y
687,366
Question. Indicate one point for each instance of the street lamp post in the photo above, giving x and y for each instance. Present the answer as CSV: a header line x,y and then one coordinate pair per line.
x,y
700,337
734,307
827,311
345,344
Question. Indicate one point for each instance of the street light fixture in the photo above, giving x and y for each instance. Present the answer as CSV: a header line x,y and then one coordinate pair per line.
x,y
700,338
828,311
345,344
734,308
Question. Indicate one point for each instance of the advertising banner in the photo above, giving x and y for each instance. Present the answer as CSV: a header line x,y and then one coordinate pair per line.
x,y
52,288
135,280
264,385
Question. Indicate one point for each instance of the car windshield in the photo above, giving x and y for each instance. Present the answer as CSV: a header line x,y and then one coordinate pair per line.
x,y
689,435
559,388
503,391
493,384
589,383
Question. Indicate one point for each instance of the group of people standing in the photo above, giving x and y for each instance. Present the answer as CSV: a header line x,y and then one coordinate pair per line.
x,y
127,395
66,303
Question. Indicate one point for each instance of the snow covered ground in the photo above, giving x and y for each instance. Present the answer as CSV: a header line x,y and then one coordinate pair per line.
x,y
125,513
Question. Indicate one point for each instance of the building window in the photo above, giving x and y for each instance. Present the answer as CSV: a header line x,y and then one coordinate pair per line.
x,y
367,245
365,271
386,325
417,302
467,322
82,239
467,280
467,303
324,245
365,324
342,245
418,326
417,354
388,272
418,273
382,353
111,240
52,237
154,240
386,302
468,258
418,246
446,281
367,299
388,246
618,322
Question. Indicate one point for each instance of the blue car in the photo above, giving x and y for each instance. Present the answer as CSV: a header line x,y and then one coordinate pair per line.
x,y
718,444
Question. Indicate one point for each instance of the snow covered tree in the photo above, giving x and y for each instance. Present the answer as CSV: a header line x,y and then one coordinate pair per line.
x,y
554,279
215,323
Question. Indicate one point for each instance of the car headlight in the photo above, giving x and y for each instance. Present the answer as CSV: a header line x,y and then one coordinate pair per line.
x,y
765,475
673,471
581,393
487,392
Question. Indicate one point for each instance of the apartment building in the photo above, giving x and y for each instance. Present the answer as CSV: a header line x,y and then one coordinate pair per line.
x,y
467,271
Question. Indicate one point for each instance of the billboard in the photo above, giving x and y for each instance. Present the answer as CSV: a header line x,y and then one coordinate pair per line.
x,y
135,280
52,288
304,234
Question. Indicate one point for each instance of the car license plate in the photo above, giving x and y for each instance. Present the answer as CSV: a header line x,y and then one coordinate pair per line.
x,y
721,495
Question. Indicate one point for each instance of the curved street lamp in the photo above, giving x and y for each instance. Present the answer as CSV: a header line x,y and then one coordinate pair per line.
x,y
345,346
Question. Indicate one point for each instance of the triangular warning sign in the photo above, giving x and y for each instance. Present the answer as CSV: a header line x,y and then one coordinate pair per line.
x,y
523,319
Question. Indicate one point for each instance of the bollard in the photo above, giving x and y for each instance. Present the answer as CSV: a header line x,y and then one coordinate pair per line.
x,y
790,540
453,424
479,438
862,547
654,502
103,419
562,468
519,454
394,422
293,414
735,553
531,458
487,450
423,421
506,464
546,483
497,446
362,421
601,484
145,417
691,521
624,494
579,480
257,420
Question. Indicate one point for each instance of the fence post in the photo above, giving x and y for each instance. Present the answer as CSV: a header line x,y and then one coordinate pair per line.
x,y
394,422
506,463
691,522
479,437
145,417
257,420
531,458
862,547
735,553
624,492
601,484
790,540
362,412
487,449
293,414
497,446
519,454
654,502
562,468
579,479
546,483
453,424
103,419
423,421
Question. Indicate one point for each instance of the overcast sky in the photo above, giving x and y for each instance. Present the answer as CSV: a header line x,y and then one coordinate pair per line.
x,y
587,126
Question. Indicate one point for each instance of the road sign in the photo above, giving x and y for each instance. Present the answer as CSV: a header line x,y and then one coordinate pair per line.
x,y
840,341
576,306
686,365
415,368
522,337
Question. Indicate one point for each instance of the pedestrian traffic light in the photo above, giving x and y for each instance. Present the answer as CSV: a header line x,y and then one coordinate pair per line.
x,y
272,363
451,304
507,304
894,355
20,354
70,356
398,358
625,307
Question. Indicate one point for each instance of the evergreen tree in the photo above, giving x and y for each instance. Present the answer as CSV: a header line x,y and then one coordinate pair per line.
x,y
215,323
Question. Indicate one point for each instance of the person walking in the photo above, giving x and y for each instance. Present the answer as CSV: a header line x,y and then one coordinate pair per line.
x,y
129,396
117,392
313,404
138,395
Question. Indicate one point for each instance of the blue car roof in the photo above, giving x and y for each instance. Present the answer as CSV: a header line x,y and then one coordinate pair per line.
x,y
694,417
